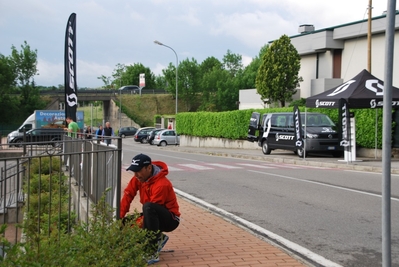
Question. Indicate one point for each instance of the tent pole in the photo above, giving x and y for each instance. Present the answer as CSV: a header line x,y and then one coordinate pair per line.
x,y
305,137
375,134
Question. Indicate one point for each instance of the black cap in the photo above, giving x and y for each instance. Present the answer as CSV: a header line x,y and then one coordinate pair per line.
x,y
138,162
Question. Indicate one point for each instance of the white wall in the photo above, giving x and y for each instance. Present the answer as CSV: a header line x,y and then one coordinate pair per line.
x,y
249,98
354,57
307,71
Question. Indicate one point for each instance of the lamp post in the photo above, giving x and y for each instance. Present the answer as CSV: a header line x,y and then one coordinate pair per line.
x,y
177,63
120,104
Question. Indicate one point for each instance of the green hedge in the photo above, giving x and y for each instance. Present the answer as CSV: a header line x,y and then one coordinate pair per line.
x,y
234,124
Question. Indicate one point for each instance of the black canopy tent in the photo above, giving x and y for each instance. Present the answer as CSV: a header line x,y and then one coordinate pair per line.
x,y
362,91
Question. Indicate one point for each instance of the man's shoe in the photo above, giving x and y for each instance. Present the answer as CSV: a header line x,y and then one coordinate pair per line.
x,y
154,259
162,242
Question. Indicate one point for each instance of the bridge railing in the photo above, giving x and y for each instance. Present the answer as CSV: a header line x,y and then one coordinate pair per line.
x,y
102,92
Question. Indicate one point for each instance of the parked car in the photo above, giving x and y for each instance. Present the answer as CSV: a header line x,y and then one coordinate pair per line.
x,y
41,136
152,134
129,89
142,133
126,131
167,137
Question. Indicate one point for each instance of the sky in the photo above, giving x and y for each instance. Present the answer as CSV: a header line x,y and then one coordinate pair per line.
x,y
123,31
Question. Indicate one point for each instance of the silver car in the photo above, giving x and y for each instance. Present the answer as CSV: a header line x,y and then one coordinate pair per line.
x,y
166,137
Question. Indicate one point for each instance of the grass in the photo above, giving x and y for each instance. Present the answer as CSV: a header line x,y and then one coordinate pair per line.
x,y
94,115
141,109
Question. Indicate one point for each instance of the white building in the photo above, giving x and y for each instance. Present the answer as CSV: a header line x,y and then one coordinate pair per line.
x,y
333,55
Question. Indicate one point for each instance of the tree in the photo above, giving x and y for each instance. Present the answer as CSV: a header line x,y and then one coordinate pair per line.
x,y
169,75
160,82
277,78
7,76
117,75
188,81
209,70
24,63
247,78
131,76
8,104
232,63
106,80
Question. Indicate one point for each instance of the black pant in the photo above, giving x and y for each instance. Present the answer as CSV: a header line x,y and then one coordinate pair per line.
x,y
157,218
107,140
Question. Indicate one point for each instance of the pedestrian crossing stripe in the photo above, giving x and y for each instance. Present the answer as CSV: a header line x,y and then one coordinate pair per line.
x,y
225,166
196,167
231,166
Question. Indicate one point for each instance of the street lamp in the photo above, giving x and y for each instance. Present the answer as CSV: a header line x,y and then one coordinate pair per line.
x,y
120,104
177,63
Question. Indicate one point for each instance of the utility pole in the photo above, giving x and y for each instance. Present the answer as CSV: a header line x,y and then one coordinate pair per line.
x,y
369,37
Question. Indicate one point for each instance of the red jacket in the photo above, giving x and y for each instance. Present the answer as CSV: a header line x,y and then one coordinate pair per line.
x,y
157,189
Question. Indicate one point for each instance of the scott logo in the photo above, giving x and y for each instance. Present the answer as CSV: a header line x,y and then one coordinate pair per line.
x,y
341,88
324,103
345,124
284,137
71,98
375,104
298,137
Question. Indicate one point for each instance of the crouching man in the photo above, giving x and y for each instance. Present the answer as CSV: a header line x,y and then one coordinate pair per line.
x,y
160,207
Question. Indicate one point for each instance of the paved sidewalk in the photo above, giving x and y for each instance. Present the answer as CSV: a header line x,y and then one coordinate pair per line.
x,y
204,239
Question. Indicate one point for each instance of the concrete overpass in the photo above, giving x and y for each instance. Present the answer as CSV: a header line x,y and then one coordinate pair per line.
x,y
110,110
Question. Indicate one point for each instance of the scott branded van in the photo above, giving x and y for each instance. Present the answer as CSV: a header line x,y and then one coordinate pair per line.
x,y
278,131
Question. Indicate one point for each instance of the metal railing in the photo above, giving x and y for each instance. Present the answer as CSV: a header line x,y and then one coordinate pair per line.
x,y
72,176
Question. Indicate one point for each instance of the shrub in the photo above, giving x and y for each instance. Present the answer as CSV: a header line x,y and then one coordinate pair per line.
x,y
102,242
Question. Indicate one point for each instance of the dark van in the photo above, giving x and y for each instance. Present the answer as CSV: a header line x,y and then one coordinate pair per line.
x,y
277,131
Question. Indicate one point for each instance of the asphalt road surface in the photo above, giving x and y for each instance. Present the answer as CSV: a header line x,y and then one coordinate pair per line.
x,y
333,213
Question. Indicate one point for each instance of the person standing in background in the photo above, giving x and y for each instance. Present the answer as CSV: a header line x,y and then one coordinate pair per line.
x,y
108,132
88,132
73,127
99,132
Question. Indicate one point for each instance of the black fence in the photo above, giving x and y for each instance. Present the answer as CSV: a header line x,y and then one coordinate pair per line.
x,y
58,182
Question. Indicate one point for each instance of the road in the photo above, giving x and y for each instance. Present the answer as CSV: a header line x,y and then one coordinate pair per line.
x,y
334,213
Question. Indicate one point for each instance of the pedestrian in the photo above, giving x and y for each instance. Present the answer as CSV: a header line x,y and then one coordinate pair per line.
x,y
88,133
108,133
160,210
73,127
99,132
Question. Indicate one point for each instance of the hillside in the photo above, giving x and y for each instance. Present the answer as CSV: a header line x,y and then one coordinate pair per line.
x,y
142,109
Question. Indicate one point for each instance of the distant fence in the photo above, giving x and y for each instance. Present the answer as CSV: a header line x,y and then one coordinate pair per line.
x,y
5,129
101,92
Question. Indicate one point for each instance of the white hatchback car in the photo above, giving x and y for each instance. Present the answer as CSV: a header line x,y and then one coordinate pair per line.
x,y
166,137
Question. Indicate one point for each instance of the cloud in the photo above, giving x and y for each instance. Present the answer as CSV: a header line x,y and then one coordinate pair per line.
x,y
122,31
53,73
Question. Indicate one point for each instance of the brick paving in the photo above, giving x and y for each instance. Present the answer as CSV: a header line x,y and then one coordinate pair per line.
x,y
204,239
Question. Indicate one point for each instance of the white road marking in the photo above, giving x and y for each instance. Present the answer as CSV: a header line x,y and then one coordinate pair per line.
x,y
224,166
196,167
326,185
174,169
255,165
